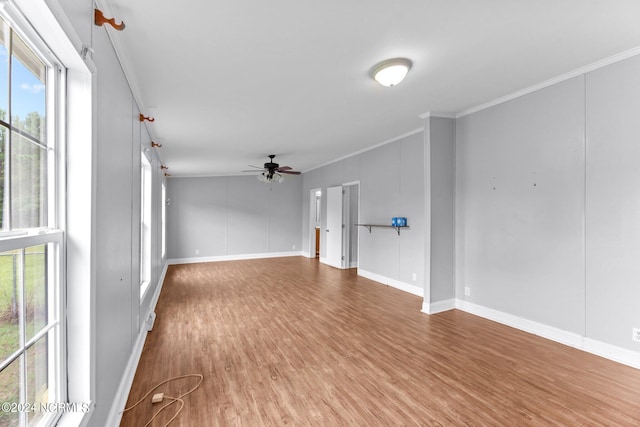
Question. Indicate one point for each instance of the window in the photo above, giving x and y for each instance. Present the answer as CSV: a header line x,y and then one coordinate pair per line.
x,y
145,224
164,219
31,237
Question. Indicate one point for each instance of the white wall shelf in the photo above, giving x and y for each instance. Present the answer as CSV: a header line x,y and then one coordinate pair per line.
x,y
369,226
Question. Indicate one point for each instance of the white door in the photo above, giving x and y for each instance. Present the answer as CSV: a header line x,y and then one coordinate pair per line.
x,y
334,227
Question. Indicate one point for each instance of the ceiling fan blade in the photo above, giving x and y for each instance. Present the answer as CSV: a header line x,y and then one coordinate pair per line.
x,y
290,172
257,167
283,168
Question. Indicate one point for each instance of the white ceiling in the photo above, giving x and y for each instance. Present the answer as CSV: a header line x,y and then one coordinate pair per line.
x,y
229,82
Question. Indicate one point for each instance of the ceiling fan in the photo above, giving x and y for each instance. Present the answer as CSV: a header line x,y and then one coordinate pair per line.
x,y
272,171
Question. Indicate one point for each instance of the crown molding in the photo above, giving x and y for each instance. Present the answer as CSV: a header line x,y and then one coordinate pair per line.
x,y
555,80
364,150
435,114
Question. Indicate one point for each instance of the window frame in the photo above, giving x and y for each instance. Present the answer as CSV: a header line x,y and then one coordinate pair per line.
x,y
52,232
146,189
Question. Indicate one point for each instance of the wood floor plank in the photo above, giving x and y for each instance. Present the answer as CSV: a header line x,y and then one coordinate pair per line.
x,y
289,341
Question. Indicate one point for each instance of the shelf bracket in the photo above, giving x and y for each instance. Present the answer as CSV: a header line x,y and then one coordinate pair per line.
x,y
370,226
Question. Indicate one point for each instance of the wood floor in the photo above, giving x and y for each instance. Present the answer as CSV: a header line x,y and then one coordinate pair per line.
x,y
289,341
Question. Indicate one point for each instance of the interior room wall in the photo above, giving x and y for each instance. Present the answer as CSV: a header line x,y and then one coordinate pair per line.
x,y
440,141
613,203
548,197
232,216
520,206
391,184
119,137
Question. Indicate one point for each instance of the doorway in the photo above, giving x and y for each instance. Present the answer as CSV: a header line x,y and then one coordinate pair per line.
x,y
341,234
352,206
315,222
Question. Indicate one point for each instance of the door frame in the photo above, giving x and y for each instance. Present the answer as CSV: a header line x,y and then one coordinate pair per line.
x,y
330,221
348,227
346,206
312,221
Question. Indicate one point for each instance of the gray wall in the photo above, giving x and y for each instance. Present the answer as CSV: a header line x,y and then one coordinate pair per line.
x,y
236,215
119,313
391,184
520,206
440,141
548,201
613,203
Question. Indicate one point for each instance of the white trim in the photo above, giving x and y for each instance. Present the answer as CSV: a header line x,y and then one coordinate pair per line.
x,y
118,405
364,150
156,294
406,287
612,352
232,257
564,337
438,306
429,114
608,351
115,414
306,254
65,24
558,79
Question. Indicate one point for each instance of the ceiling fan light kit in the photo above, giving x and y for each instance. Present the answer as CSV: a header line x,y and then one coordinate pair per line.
x,y
268,178
390,72
273,172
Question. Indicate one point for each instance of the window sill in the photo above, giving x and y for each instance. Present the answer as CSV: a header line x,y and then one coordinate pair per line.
x,y
75,419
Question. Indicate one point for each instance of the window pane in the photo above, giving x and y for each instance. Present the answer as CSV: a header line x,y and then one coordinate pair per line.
x,y
10,392
35,289
4,75
3,190
37,377
10,302
27,90
28,183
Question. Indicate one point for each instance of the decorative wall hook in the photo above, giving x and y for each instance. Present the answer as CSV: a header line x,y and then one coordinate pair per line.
x,y
149,119
153,144
164,167
167,174
99,19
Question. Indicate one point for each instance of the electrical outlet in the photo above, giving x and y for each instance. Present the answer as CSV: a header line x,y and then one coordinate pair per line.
x,y
467,291
636,334
414,276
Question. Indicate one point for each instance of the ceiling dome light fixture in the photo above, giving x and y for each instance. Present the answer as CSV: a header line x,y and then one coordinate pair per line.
x,y
390,72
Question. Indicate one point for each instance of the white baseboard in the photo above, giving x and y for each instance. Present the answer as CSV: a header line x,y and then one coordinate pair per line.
x,y
564,337
306,254
612,352
115,414
232,257
438,306
599,348
412,289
